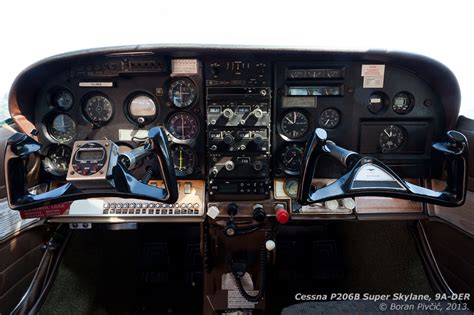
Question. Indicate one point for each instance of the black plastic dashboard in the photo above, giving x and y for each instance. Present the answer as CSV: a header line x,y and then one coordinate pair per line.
x,y
239,117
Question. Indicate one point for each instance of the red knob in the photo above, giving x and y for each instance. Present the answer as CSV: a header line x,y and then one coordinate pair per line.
x,y
282,216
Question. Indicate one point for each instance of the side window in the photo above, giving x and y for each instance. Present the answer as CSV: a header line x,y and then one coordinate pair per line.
x,y
4,114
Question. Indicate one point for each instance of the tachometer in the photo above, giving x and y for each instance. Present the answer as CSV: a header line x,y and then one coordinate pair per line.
x,y
62,128
291,157
182,92
184,160
329,118
391,138
98,109
142,109
294,124
183,126
57,159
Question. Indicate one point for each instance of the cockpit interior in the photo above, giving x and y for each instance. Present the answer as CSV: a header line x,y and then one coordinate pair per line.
x,y
194,179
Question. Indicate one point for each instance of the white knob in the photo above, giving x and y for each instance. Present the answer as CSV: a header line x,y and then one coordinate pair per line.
x,y
228,113
331,204
348,203
229,165
270,245
257,113
213,212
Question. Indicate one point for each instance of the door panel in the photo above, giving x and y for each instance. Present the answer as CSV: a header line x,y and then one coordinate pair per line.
x,y
21,250
452,244
20,256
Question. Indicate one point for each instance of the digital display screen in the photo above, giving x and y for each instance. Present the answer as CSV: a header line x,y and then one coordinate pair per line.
x,y
314,90
89,155
399,101
228,188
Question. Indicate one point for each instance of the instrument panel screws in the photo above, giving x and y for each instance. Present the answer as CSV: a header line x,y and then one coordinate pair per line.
x,y
428,103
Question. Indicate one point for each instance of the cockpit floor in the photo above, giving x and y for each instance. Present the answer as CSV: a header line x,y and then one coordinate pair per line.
x,y
157,269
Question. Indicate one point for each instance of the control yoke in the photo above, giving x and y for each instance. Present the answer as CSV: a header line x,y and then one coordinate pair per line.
x,y
366,176
111,168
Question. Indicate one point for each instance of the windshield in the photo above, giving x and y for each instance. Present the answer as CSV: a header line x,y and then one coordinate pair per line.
x,y
38,29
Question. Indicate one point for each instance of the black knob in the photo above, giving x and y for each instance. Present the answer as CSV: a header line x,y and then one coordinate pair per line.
x,y
215,70
230,228
258,165
228,139
258,213
258,139
232,209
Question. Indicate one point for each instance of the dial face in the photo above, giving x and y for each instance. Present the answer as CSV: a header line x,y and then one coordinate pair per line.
x,y
294,124
57,160
184,160
98,109
378,102
291,188
403,103
291,157
62,128
391,138
182,93
63,99
329,118
142,108
183,126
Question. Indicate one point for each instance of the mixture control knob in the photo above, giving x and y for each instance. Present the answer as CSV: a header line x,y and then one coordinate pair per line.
x,y
258,165
228,139
232,209
228,113
229,165
282,215
258,213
